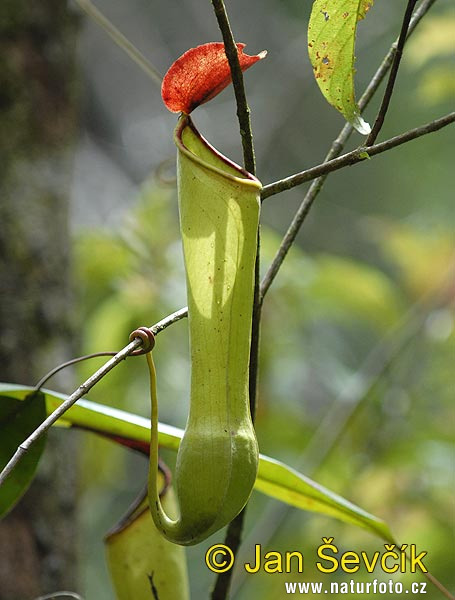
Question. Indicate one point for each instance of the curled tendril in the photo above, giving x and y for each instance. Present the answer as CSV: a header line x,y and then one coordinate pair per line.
x,y
148,340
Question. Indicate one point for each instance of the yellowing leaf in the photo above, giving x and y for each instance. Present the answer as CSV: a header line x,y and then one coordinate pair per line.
x,y
331,42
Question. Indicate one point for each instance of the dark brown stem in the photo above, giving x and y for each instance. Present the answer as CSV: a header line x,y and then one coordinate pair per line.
x,y
255,334
319,173
243,111
356,156
234,531
393,74
232,541
378,77
233,536
344,409
335,150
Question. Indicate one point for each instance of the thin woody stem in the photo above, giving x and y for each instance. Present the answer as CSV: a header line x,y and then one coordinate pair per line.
x,y
235,528
345,408
336,148
319,174
393,74
243,111
437,584
69,363
82,390
120,40
355,156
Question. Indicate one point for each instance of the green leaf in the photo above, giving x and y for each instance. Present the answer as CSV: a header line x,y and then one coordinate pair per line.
x,y
274,478
280,481
139,556
331,42
17,421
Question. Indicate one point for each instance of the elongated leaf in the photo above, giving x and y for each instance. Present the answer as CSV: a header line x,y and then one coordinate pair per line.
x,y
17,421
274,478
331,42
280,481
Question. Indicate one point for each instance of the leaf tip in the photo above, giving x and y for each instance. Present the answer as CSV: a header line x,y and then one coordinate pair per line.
x,y
361,125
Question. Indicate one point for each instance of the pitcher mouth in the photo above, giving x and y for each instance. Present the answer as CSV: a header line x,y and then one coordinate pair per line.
x,y
241,176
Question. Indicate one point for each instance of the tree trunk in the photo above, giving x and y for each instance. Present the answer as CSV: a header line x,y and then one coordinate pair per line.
x,y
37,123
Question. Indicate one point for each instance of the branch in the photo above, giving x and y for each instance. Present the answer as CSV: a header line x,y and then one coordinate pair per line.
x,y
121,41
437,584
378,77
358,155
243,111
393,74
169,320
319,174
232,540
234,530
348,402
335,150
82,390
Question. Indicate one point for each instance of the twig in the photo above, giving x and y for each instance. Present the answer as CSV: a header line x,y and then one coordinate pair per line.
x,y
58,412
170,320
291,234
243,111
320,172
68,363
335,150
120,40
82,390
393,74
345,407
234,530
355,156
223,581
378,77
255,333
232,540
437,584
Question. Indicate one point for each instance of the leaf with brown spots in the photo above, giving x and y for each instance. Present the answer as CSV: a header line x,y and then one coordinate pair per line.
x,y
199,75
331,42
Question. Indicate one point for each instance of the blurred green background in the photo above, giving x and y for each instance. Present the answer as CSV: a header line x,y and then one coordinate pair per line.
x,y
356,375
